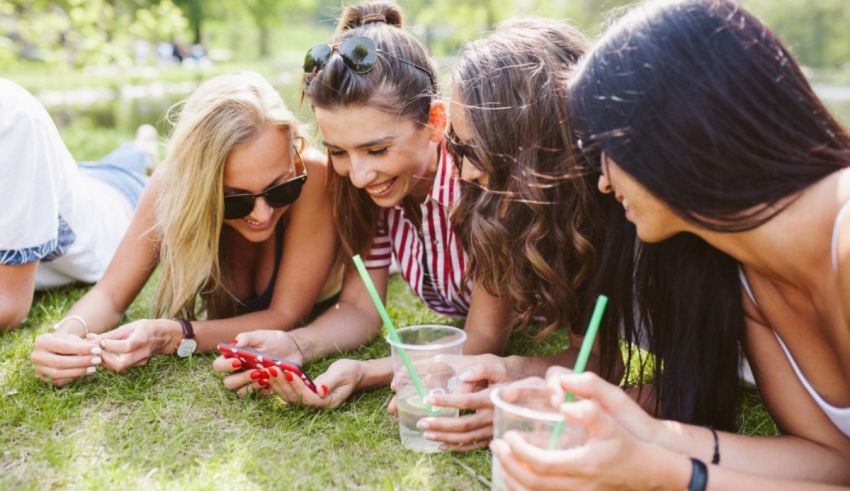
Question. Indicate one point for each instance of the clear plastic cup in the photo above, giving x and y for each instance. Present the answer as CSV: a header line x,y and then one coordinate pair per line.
x,y
531,413
425,346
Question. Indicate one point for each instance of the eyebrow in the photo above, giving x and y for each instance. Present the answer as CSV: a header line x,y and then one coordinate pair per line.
x,y
370,143
232,190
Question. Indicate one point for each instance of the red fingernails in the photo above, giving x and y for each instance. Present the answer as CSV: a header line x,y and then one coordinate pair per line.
x,y
236,364
263,383
264,374
288,376
324,390
273,372
255,375
234,342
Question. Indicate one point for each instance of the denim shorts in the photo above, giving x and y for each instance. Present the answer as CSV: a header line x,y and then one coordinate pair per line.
x,y
123,169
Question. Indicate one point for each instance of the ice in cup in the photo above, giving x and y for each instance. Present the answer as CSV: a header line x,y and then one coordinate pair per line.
x,y
525,407
427,347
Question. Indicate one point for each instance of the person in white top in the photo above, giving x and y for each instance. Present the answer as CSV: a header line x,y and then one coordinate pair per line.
x,y
60,222
724,160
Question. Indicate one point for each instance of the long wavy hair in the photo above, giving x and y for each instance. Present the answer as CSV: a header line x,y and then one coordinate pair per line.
x,y
701,104
532,233
221,114
391,85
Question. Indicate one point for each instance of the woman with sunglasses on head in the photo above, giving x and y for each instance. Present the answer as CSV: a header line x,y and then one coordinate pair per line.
x,y
374,93
239,223
734,177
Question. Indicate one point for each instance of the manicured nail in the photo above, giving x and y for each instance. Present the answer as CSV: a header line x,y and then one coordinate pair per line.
x,y
233,342
273,372
96,350
96,360
288,376
255,375
428,435
236,364
422,424
324,390
264,374
263,383
91,370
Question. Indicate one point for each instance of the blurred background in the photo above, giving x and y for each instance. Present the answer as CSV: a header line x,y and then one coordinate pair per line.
x,y
103,67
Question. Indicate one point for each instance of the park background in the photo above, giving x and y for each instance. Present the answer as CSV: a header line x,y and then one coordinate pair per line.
x,y
102,68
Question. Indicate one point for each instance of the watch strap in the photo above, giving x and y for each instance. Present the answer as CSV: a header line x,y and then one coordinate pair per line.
x,y
186,326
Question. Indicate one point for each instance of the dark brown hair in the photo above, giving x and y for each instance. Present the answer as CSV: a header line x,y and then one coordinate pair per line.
x,y
392,86
700,103
531,234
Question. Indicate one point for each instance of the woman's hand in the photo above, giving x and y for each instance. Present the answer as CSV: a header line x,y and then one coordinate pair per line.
x,y
612,399
341,379
613,457
61,357
268,342
133,344
479,374
279,344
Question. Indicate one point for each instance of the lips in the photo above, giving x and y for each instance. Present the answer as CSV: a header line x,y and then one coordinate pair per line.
x,y
258,225
382,189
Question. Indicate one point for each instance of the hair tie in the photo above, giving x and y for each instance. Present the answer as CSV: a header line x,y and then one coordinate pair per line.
x,y
371,18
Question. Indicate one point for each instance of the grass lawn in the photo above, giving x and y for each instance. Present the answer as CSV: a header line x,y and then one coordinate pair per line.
x,y
173,425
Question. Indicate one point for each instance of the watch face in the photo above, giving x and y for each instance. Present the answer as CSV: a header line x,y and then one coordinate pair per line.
x,y
186,348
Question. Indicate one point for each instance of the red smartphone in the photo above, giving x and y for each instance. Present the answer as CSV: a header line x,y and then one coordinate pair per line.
x,y
255,360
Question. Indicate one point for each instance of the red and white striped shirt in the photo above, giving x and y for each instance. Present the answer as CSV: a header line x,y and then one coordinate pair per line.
x,y
446,293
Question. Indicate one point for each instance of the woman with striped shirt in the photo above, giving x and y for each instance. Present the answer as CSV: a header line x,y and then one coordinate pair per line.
x,y
374,93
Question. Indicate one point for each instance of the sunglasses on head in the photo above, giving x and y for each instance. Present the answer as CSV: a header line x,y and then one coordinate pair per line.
x,y
277,196
459,151
358,53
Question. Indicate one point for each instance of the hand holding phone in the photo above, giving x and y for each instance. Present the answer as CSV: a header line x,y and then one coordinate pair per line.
x,y
255,360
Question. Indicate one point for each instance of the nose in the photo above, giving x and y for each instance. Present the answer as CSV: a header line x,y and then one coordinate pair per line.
x,y
262,212
361,173
604,184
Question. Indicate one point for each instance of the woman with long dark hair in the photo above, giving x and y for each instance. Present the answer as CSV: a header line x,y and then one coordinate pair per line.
x,y
733,176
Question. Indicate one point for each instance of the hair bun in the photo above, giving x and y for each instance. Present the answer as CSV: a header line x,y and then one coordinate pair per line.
x,y
370,13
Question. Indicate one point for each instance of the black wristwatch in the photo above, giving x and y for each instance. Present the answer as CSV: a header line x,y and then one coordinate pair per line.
x,y
188,344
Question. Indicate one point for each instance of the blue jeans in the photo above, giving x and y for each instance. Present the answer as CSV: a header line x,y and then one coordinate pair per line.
x,y
123,169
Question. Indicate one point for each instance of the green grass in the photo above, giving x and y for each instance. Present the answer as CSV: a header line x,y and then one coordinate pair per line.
x,y
173,425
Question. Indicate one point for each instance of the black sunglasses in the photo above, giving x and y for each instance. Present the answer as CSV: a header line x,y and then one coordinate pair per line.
x,y
358,53
459,151
277,196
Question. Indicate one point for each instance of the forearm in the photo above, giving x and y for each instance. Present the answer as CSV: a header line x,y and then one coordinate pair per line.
x,y
342,328
782,457
97,309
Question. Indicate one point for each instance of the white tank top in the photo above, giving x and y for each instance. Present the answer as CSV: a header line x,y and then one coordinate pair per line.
x,y
840,416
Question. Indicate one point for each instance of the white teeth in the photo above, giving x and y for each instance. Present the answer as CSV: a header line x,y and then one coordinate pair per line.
x,y
381,189
625,205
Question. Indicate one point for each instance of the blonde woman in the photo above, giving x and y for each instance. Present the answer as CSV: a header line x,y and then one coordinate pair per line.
x,y
238,219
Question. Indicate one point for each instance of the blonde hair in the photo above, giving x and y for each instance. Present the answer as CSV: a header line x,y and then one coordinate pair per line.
x,y
221,114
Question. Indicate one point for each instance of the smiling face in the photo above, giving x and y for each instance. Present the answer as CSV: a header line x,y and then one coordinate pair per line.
x,y
252,167
388,156
460,125
654,219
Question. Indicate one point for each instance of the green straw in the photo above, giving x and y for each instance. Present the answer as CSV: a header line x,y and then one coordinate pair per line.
x,y
583,355
367,280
